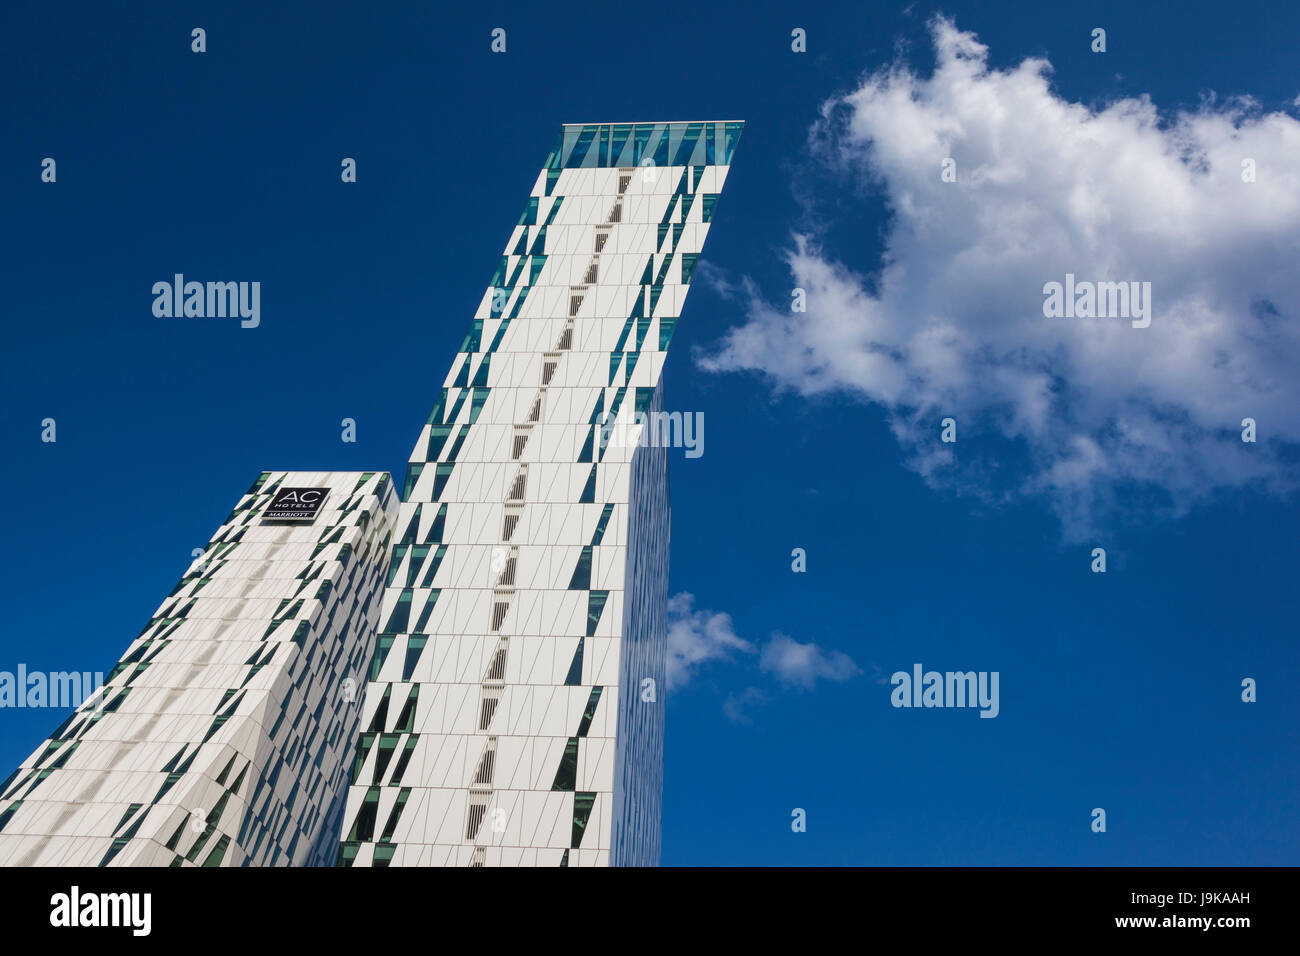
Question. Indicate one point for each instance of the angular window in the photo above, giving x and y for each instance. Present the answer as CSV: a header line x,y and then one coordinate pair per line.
x,y
437,438
364,827
381,712
595,605
403,760
401,615
387,744
574,677
406,719
473,338
384,645
602,523
393,817
413,470
399,553
435,416
418,553
363,750
218,852
588,495
429,604
566,778
590,713
441,475
529,217
582,804
438,526
581,580
414,648
476,403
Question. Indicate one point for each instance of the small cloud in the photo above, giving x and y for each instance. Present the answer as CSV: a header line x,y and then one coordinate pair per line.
x,y
721,283
736,704
802,664
695,637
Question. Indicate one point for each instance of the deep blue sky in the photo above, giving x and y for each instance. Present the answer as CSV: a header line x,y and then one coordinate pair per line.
x,y
1119,691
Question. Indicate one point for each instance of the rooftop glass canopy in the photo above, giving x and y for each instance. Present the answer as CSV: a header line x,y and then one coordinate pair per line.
x,y
636,144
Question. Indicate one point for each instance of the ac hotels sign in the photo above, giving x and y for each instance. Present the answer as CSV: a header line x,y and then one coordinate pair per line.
x,y
296,504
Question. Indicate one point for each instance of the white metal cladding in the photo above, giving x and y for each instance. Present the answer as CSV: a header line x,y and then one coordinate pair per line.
x,y
223,735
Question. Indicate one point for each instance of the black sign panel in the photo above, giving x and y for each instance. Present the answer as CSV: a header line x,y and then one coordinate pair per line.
x,y
296,504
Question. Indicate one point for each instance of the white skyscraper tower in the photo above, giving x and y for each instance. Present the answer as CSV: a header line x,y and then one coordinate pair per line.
x,y
515,710
222,737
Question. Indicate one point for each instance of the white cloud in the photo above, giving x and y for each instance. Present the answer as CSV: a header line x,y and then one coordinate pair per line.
x,y
698,636
695,637
952,322
802,664
736,706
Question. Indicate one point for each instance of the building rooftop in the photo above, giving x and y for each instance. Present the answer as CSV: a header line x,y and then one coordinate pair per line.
x,y
597,145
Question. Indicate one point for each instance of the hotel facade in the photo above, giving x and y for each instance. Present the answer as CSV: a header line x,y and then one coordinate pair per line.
x,y
507,703
222,737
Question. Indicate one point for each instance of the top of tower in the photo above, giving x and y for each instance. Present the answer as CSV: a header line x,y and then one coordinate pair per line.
x,y
659,123
596,145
